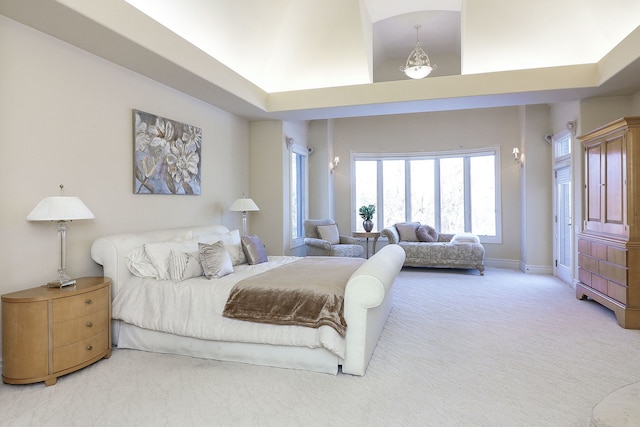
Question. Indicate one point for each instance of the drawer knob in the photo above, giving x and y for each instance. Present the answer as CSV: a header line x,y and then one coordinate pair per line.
x,y
89,324
88,301
89,347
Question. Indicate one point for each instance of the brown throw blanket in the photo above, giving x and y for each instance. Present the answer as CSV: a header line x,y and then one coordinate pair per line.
x,y
308,292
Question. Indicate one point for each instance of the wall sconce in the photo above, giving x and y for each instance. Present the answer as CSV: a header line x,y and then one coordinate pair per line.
x,y
516,155
334,164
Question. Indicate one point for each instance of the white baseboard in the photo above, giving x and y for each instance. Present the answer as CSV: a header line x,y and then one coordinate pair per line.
x,y
518,265
536,269
502,263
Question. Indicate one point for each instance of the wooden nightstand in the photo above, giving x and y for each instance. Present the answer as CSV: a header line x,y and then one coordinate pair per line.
x,y
50,332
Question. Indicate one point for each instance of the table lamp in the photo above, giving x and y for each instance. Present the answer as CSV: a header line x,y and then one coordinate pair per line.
x,y
61,209
244,205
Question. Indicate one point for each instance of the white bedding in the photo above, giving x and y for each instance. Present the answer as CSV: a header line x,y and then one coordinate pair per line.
x,y
193,308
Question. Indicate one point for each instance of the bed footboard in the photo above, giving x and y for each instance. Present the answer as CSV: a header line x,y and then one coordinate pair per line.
x,y
368,300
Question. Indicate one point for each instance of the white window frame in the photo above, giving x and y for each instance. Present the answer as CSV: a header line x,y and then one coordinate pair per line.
x,y
494,150
303,152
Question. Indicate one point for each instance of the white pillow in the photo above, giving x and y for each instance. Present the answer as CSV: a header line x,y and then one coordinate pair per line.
x,y
329,233
139,264
232,244
159,252
184,265
464,239
215,260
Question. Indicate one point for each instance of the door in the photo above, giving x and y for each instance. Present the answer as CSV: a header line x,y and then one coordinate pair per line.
x,y
562,232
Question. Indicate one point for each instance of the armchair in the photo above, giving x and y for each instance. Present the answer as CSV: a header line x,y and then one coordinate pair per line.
x,y
323,239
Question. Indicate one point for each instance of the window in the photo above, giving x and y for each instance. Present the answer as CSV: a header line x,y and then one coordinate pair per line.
x,y
562,145
453,191
298,193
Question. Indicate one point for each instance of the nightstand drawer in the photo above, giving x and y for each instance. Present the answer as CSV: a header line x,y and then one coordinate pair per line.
x,y
80,305
77,353
75,330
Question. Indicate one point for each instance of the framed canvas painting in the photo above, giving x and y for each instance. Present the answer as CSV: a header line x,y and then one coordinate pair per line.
x,y
166,156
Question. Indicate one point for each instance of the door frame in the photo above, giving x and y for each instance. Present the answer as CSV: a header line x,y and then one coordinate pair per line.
x,y
563,159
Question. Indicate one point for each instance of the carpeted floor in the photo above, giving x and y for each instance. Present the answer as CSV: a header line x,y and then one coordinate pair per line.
x,y
505,349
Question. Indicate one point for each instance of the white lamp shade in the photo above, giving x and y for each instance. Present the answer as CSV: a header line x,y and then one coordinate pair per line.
x,y
61,208
244,205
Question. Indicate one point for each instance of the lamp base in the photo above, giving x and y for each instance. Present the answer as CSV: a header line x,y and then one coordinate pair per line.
x,y
59,284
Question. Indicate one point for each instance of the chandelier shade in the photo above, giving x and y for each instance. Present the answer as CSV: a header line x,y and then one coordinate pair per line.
x,y
418,65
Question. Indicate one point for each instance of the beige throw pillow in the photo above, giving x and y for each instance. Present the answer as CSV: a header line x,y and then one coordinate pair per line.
x,y
407,231
254,250
231,242
329,233
215,260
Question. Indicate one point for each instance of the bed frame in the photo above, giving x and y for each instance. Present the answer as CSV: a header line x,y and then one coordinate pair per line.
x,y
368,299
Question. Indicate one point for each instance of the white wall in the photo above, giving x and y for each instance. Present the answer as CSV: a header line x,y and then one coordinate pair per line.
x,y
66,118
321,200
635,104
597,112
536,200
270,182
268,188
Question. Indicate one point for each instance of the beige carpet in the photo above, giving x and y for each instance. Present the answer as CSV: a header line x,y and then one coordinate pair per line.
x,y
506,349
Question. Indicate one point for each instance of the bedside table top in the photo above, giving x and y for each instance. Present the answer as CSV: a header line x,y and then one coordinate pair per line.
x,y
43,293
366,234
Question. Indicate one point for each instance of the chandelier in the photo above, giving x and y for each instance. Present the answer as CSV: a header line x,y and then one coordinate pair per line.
x,y
418,65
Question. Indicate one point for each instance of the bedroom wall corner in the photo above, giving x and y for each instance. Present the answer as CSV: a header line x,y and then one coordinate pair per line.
x,y
267,172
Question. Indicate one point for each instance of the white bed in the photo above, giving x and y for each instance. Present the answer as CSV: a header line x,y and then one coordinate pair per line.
x,y
186,318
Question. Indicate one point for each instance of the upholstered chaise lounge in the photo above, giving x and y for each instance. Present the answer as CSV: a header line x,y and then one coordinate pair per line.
x,y
425,247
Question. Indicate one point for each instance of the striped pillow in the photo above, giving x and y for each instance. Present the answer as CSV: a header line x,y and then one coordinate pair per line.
x,y
184,265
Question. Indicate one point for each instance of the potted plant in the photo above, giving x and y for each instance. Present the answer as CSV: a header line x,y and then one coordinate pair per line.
x,y
366,213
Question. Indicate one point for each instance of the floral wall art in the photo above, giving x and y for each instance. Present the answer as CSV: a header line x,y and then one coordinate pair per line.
x,y
167,156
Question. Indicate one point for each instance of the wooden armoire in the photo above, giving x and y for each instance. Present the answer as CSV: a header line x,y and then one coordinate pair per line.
x,y
609,245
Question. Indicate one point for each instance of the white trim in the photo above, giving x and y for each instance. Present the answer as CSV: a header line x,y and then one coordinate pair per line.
x,y
502,263
559,163
536,269
304,153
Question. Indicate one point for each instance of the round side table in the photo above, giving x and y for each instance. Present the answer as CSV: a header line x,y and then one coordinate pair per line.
x,y
368,235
